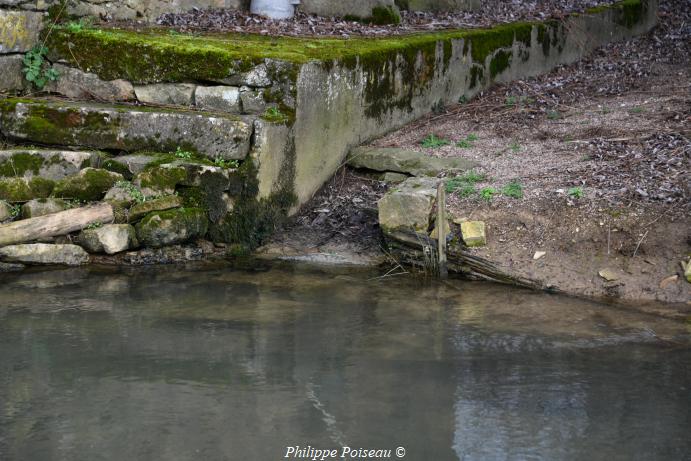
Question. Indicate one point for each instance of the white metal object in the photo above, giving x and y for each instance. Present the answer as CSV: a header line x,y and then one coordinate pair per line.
x,y
274,9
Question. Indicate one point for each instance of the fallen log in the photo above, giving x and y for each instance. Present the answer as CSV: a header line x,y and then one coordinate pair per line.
x,y
414,248
55,224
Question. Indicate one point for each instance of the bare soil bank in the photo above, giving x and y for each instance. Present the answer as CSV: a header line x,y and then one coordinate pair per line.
x,y
601,152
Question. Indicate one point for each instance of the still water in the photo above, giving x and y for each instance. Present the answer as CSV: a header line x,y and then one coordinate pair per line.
x,y
220,364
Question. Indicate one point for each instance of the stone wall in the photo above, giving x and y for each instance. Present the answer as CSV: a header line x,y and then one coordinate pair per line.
x,y
146,10
344,103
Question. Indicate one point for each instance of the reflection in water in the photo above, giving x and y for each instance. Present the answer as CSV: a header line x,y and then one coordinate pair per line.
x,y
219,364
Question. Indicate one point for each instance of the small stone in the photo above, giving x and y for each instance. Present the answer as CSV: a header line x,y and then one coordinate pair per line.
x,y
5,211
166,202
223,98
43,206
44,253
124,194
177,94
391,177
252,101
129,165
12,78
257,77
667,281
610,275
473,233
109,239
538,255
687,272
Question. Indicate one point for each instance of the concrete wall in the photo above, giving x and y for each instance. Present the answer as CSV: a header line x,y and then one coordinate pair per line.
x,y
341,105
147,10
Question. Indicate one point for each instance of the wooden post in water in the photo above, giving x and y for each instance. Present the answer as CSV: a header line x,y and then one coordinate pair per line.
x,y
441,230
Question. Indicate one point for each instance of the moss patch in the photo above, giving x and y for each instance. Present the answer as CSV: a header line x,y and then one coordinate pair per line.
x,y
21,163
162,228
23,190
89,185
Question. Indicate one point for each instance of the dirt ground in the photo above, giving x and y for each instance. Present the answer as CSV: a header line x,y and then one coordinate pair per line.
x,y
600,153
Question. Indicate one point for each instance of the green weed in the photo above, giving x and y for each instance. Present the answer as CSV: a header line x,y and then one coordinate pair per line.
x,y
488,192
179,153
36,69
575,192
433,142
513,189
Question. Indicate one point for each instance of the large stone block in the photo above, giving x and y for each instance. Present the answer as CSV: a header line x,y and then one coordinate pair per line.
x,y
76,84
89,185
109,239
409,206
40,207
405,161
163,228
12,78
46,163
44,253
19,30
223,98
125,128
176,94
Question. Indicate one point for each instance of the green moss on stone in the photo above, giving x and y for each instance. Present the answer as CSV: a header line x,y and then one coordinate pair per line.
x,y
90,184
628,13
20,163
161,178
169,227
23,190
500,62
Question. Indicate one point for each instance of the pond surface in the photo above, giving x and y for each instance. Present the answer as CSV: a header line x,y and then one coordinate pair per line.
x,y
220,364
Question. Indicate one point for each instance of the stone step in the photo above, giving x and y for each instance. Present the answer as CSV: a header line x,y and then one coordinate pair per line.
x,y
125,128
47,163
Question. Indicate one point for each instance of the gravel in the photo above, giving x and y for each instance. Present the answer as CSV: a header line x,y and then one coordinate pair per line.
x,y
492,12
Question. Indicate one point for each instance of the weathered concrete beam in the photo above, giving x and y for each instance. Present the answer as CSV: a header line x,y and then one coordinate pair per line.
x,y
125,128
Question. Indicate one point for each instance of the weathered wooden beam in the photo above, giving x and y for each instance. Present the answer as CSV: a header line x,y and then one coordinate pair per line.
x,y
55,224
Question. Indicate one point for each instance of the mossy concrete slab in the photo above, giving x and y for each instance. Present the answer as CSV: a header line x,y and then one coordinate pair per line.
x,y
46,163
406,161
126,128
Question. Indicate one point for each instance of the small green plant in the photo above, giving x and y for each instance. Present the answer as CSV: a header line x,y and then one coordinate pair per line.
x,y
94,225
637,110
14,210
36,69
513,189
273,114
464,185
510,101
463,100
553,115
131,189
223,163
488,192
515,146
464,143
433,142
179,153
575,192
472,137
78,26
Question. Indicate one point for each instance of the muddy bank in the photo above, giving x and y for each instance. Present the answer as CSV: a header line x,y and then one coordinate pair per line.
x,y
588,165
